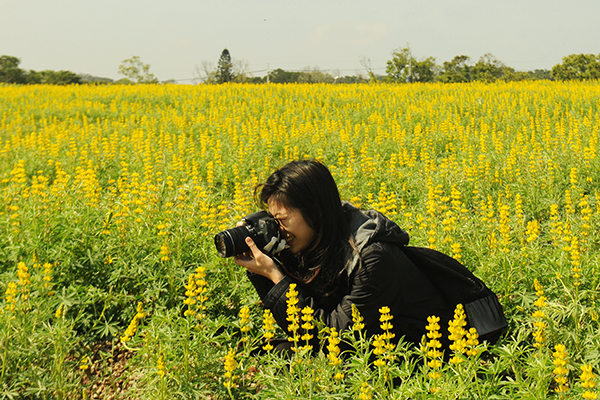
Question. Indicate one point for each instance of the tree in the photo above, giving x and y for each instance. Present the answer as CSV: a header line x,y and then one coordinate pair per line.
x,y
280,76
366,64
225,68
398,68
424,71
539,74
488,69
240,70
49,77
10,71
314,75
358,78
87,78
205,73
404,68
137,71
577,67
457,70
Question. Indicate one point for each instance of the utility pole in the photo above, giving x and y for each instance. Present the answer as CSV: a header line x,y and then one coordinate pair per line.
x,y
268,71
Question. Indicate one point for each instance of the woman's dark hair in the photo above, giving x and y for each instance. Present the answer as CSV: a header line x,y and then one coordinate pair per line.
x,y
308,186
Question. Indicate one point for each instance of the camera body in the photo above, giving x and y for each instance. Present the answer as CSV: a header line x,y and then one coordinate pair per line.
x,y
261,226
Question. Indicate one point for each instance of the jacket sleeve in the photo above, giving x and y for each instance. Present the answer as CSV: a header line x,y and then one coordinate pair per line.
x,y
386,278
261,284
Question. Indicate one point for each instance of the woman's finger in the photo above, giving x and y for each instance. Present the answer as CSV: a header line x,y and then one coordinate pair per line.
x,y
253,248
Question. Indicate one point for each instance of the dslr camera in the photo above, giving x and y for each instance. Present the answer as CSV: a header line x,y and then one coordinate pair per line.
x,y
261,226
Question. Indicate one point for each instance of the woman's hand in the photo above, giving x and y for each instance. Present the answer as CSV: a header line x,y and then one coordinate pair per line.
x,y
259,263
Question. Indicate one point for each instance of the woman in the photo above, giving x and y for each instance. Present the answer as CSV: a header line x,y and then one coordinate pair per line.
x,y
339,256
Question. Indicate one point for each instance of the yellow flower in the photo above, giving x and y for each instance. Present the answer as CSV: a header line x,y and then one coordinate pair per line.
x,y
195,293
333,350
472,342
293,314
201,289
588,381
244,322
268,329
245,319
307,326
539,315
382,343
84,363
11,296
47,275
357,319
561,372
23,275
190,296
60,311
457,334
433,352
161,366
133,325
164,252
379,344
230,366
539,290
365,392
384,318
338,376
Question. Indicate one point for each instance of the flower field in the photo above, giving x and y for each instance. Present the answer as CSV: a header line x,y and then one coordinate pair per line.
x,y
111,195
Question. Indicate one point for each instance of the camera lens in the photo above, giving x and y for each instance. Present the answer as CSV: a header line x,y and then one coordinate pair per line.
x,y
232,241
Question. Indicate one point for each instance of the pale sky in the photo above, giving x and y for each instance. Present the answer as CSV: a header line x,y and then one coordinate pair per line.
x,y
176,36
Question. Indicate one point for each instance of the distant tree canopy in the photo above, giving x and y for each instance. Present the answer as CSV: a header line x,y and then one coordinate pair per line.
x,y
135,70
10,71
48,77
577,67
401,68
225,68
455,71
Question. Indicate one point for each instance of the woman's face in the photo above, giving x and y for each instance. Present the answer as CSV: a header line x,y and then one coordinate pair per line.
x,y
297,233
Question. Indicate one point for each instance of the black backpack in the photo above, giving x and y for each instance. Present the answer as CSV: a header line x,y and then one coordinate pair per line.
x,y
458,285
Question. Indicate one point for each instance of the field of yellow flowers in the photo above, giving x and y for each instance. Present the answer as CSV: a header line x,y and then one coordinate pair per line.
x,y
110,197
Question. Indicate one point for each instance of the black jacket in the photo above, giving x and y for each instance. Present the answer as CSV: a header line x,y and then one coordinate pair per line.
x,y
378,275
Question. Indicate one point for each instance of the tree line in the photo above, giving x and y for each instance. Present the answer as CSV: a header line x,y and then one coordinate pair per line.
x,y
11,73
403,67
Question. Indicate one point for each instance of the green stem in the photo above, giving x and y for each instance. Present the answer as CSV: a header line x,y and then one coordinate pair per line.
x,y
186,351
5,345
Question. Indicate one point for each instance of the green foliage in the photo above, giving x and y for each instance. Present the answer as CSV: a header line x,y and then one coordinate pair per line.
x,y
577,67
121,188
10,71
540,74
403,67
398,68
137,71
280,76
225,68
87,78
49,77
456,71
488,69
